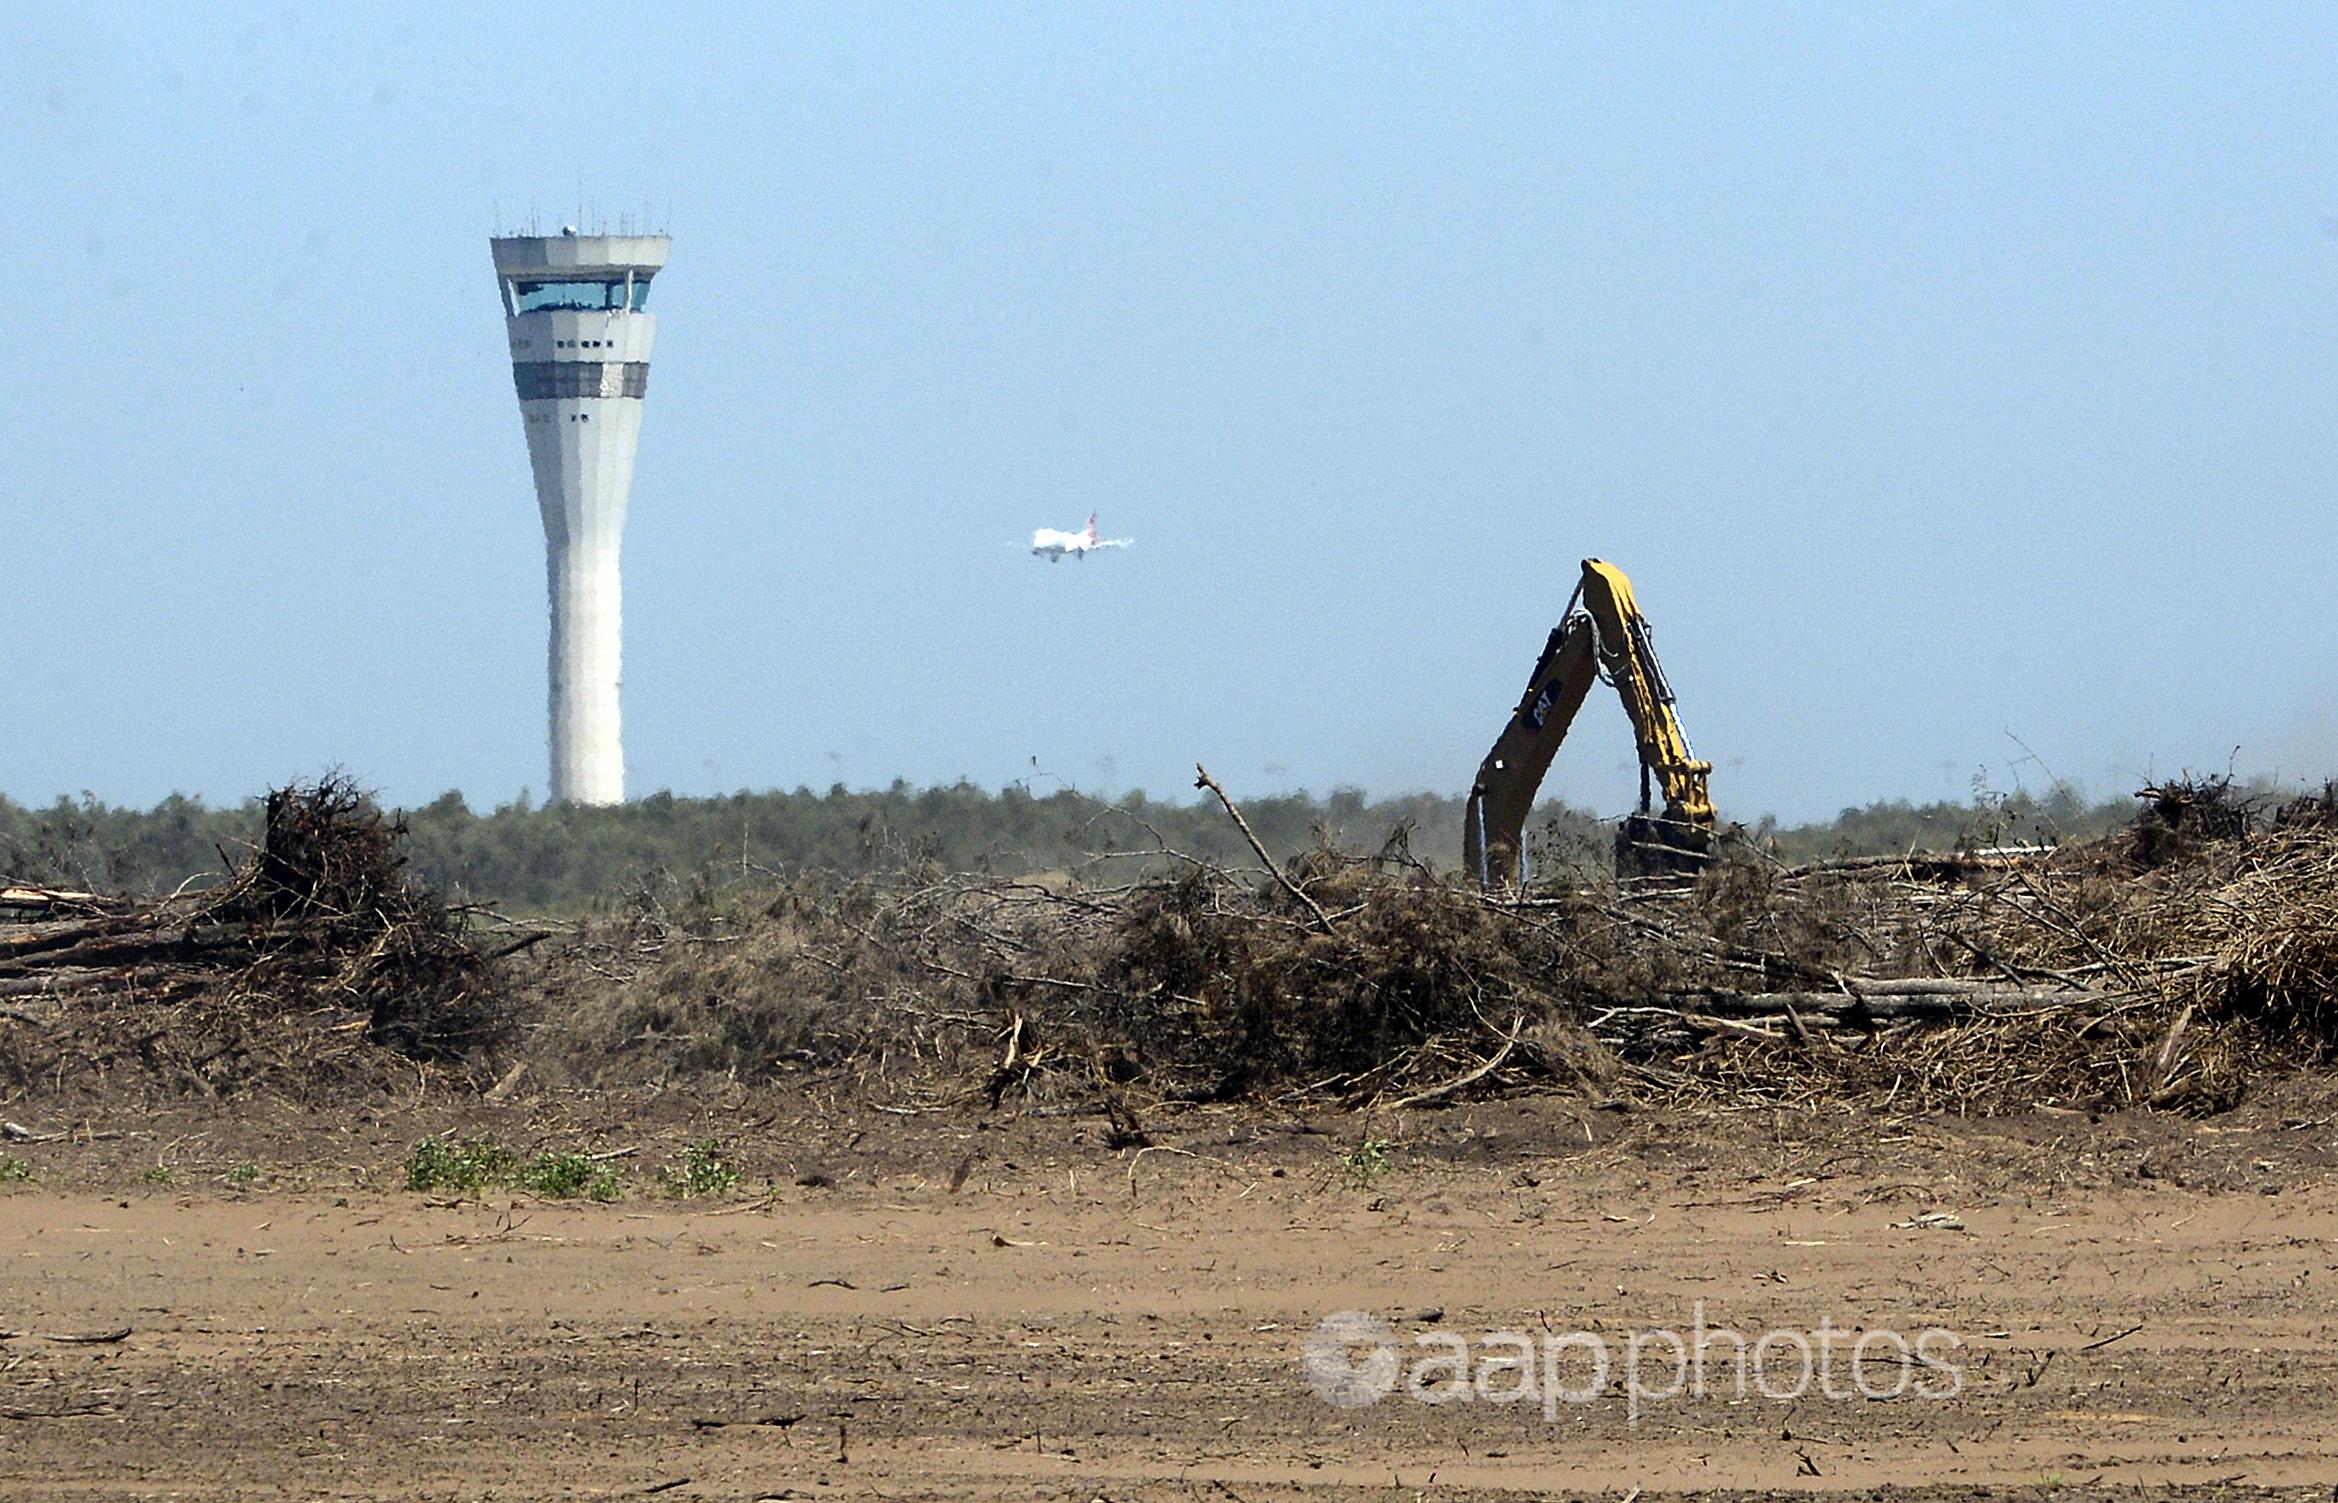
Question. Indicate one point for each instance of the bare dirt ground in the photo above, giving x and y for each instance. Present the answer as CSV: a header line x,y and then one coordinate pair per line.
x,y
960,1308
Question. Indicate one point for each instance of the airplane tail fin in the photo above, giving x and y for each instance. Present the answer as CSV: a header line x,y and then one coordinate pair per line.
x,y
1091,528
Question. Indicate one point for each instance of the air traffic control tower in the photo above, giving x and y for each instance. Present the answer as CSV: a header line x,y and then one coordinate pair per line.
x,y
573,305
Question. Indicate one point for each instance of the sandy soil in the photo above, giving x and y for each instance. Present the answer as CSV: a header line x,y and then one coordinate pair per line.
x,y
2140,1304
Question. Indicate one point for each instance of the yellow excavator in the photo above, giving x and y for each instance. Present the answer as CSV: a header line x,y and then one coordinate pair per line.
x,y
1607,639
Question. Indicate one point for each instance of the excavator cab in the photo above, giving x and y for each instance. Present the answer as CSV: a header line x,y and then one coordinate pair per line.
x,y
1605,640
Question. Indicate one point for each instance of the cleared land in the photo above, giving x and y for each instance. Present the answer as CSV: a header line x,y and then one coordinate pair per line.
x,y
2144,1302
912,1184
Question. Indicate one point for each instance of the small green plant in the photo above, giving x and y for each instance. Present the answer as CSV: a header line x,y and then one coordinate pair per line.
x,y
1366,1164
14,1171
565,1176
459,1164
704,1171
162,1176
472,1164
244,1176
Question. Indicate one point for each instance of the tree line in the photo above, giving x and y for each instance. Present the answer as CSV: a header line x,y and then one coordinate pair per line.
x,y
553,857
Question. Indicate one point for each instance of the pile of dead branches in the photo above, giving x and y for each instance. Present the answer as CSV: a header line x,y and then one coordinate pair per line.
x,y
316,961
1340,975
2150,969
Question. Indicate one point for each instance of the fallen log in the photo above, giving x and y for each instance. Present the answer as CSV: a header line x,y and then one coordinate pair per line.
x,y
27,939
1959,1002
50,897
1926,864
1929,986
75,979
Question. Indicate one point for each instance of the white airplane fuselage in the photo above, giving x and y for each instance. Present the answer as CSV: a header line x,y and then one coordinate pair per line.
x,y
1052,545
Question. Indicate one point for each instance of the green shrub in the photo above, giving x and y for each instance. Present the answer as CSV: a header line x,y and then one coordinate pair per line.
x,y
472,1164
705,1171
565,1176
458,1164
1366,1164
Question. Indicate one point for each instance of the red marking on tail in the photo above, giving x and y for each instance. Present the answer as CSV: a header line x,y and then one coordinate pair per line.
x,y
1091,527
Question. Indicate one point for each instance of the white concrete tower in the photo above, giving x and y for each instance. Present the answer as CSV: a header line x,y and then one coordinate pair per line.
x,y
580,358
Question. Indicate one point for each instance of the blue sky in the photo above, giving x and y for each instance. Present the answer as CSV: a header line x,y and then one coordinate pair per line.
x,y
1955,382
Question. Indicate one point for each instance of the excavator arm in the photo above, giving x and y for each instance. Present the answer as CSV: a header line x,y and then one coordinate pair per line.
x,y
1606,639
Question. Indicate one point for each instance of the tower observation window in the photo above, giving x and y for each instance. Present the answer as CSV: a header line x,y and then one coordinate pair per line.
x,y
592,297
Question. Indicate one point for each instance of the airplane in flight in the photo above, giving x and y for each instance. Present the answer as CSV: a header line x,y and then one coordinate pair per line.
x,y
1052,545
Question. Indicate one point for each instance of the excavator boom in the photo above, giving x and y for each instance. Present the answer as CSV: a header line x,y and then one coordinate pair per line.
x,y
1606,639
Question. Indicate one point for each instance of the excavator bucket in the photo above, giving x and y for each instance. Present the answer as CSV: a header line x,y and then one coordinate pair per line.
x,y
1649,845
